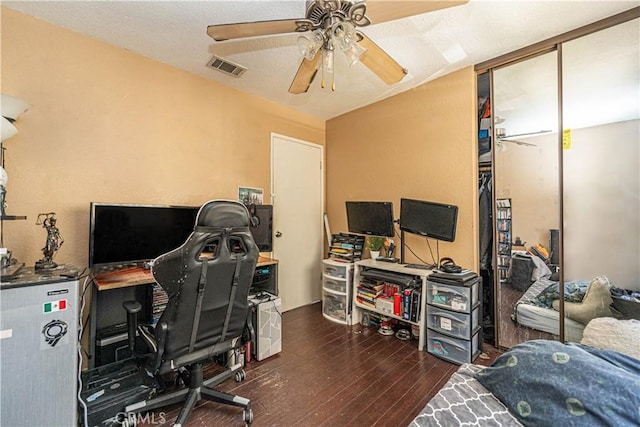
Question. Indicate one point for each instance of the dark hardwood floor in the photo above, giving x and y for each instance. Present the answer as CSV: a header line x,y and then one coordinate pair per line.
x,y
512,333
331,375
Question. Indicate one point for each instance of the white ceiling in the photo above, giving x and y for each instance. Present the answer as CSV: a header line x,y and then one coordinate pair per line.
x,y
428,46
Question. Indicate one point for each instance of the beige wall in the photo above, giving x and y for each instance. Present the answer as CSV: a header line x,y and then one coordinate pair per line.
x,y
108,125
420,144
529,177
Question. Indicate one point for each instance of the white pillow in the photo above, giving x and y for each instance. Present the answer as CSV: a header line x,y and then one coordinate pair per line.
x,y
613,334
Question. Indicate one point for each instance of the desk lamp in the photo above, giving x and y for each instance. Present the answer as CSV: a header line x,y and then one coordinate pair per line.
x,y
11,108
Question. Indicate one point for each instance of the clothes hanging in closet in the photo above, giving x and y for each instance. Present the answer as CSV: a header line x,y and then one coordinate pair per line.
x,y
485,221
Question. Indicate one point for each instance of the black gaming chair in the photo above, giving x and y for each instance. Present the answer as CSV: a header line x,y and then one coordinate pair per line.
x,y
207,280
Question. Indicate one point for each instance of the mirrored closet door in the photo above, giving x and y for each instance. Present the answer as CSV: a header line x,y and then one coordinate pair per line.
x,y
601,175
527,197
565,168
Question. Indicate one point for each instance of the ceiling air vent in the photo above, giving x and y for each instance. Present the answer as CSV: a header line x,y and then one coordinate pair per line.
x,y
226,66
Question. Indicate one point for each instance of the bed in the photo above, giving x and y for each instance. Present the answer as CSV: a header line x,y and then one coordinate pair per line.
x,y
582,385
584,300
530,312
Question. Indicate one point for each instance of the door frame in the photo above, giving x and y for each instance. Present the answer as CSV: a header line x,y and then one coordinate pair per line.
x,y
291,139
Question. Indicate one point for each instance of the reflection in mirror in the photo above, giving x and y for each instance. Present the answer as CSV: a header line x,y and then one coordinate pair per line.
x,y
601,173
526,189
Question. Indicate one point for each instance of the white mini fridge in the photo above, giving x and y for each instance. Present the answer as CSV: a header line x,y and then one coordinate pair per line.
x,y
39,348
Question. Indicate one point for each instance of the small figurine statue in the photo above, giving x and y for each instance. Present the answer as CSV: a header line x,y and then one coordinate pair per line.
x,y
54,240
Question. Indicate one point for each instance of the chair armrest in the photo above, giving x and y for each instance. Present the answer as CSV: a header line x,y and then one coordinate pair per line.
x,y
249,331
161,337
132,308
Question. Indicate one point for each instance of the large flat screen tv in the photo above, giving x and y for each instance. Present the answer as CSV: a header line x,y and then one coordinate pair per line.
x,y
371,218
131,234
435,220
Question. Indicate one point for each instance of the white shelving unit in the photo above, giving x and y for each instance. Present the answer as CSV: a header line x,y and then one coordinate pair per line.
x,y
337,284
419,274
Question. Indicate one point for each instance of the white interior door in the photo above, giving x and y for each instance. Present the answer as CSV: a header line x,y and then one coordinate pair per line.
x,y
297,198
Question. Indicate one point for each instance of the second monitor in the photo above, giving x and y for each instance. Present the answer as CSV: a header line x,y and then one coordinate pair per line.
x,y
429,219
370,218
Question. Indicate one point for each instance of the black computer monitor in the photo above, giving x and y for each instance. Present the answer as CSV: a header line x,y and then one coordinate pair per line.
x,y
371,218
132,234
430,219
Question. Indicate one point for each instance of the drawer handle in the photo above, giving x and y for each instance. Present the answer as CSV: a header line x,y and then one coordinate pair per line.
x,y
448,316
453,343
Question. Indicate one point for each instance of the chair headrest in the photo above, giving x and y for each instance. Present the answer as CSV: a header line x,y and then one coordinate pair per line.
x,y
222,214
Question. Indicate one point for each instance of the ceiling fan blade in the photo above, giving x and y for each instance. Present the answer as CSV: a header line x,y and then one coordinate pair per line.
x,y
388,10
305,75
520,135
528,144
251,29
379,61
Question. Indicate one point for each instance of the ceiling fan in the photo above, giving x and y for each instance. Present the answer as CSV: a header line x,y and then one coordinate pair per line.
x,y
501,137
332,25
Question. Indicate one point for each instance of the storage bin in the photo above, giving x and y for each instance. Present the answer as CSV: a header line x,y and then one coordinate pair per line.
x,y
452,349
458,325
337,285
334,306
334,269
460,297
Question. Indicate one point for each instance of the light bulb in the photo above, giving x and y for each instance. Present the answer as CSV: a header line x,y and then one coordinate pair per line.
x,y
343,34
308,45
305,48
353,53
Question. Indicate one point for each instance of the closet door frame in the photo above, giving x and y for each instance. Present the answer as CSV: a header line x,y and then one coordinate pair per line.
x,y
545,46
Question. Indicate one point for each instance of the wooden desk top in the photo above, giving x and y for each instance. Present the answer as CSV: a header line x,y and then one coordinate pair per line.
x,y
131,276
134,276
263,260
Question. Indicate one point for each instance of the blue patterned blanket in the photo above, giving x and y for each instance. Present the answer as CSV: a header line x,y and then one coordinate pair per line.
x,y
573,292
550,383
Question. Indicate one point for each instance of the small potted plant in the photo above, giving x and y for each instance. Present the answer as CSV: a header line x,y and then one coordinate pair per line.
x,y
375,245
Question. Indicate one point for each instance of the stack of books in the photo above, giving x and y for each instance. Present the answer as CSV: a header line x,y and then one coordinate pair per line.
x,y
390,298
368,291
346,247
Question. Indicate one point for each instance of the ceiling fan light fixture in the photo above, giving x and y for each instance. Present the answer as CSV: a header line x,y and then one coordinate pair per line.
x,y
338,24
309,44
353,53
343,35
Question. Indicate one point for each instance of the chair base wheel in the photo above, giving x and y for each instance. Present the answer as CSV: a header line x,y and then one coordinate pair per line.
x,y
247,416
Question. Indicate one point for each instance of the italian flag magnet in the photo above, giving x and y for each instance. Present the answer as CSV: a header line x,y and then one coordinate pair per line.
x,y
50,307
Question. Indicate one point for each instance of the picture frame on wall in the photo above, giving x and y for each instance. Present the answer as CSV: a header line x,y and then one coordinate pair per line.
x,y
250,195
